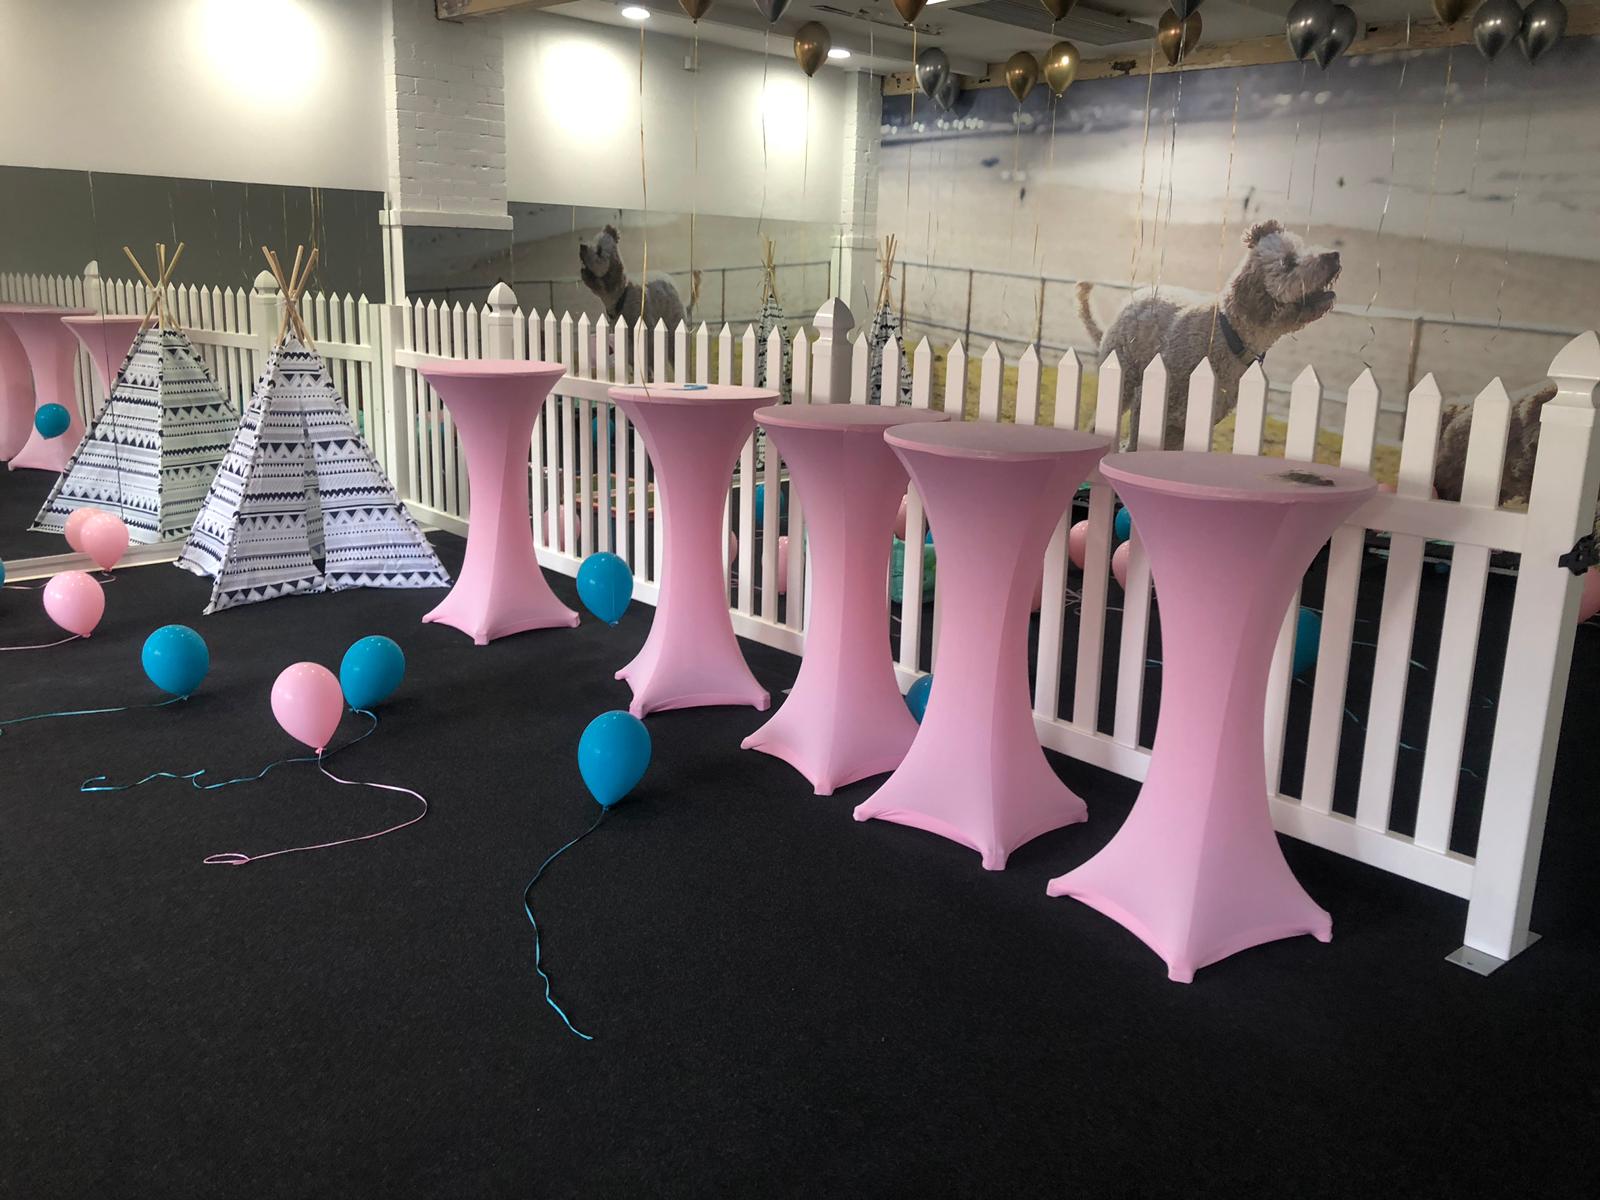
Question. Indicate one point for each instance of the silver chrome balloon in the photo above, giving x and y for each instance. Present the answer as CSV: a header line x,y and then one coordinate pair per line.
x,y
1494,25
1184,7
1543,24
949,93
772,9
1306,25
1342,29
933,68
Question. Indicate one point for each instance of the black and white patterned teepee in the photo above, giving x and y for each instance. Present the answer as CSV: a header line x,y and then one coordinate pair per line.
x,y
886,325
152,454
297,485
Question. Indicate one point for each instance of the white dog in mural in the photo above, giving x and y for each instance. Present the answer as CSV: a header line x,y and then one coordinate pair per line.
x,y
1280,286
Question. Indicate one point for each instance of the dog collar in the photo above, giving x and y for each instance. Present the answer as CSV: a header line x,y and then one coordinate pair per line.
x,y
1235,342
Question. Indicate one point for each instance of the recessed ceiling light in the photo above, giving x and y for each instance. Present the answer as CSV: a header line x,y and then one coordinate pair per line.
x,y
634,13
838,52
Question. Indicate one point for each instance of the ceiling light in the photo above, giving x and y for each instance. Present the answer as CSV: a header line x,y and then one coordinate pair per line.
x,y
838,52
635,13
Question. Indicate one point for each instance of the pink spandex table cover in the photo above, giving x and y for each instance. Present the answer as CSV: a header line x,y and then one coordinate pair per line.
x,y
500,589
694,433
108,340
976,773
50,351
845,718
16,395
1195,872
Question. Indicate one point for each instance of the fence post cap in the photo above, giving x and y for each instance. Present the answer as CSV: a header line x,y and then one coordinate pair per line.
x,y
265,282
502,298
1578,365
92,267
835,317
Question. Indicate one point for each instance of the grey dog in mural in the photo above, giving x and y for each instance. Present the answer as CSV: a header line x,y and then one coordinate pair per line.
x,y
1281,285
605,275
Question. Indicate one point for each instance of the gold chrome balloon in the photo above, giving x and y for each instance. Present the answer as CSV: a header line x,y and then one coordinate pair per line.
x,y
811,44
1177,38
1022,72
1061,67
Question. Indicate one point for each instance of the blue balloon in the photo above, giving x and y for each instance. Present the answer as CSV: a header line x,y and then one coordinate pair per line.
x,y
612,755
605,585
370,671
2,572
176,659
917,696
52,420
1122,527
1307,634
761,502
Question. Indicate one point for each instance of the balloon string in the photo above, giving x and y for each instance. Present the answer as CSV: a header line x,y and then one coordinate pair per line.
x,y
1222,233
1144,162
1172,174
1511,223
1472,180
45,645
235,859
1433,178
89,712
97,783
1388,195
538,961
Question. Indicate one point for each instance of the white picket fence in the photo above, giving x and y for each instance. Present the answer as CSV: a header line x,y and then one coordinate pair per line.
x,y
594,492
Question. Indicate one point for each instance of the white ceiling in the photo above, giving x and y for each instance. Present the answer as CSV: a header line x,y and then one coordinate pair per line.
x,y
973,33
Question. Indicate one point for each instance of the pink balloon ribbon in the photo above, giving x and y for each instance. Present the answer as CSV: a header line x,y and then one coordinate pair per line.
x,y
45,645
235,859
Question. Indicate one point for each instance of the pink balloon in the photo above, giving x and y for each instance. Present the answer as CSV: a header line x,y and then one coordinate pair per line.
x,y
900,520
104,538
1078,543
74,527
75,601
783,565
1589,605
308,703
1119,563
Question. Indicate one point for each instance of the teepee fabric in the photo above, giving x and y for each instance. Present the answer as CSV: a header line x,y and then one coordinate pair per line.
x,y
151,456
299,484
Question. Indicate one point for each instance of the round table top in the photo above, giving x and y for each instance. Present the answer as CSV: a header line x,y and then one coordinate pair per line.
x,y
692,393
42,310
1200,475
846,418
110,320
487,368
994,441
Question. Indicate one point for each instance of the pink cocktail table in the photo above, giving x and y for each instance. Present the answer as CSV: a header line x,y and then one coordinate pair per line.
x,y
501,589
16,395
50,350
108,340
1195,872
845,718
693,433
976,773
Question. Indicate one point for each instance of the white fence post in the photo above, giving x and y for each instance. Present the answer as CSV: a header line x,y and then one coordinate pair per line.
x,y
1561,503
500,323
266,314
831,354
94,295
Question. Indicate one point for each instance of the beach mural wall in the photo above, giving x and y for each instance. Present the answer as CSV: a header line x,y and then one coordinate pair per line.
x,y
1462,198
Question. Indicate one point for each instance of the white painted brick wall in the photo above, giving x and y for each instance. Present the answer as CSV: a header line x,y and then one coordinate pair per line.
x,y
861,140
446,117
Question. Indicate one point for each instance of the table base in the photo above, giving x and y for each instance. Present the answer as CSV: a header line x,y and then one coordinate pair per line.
x,y
1245,896
830,759
473,613
992,803
663,681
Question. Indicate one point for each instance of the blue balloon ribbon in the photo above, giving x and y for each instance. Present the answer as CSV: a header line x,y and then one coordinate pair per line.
x,y
88,712
538,960
96,783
